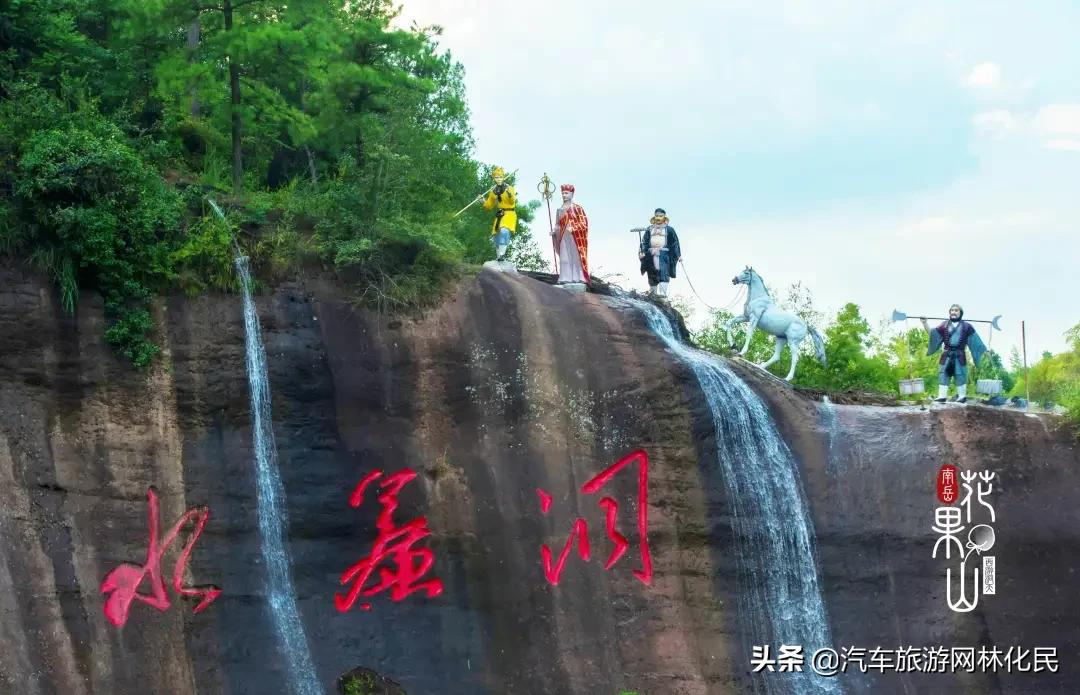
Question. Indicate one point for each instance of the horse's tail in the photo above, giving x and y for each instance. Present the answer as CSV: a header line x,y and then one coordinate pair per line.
x,y
819,345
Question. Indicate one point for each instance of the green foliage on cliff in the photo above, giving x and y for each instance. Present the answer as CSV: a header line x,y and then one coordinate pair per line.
x,y
851,364
364,681
89,210
328,135
1055,379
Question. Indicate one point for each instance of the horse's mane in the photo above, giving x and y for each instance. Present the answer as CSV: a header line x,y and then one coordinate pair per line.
x,y
764,288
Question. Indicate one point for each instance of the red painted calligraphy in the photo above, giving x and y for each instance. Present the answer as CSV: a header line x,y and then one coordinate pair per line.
x,y
580,528
394,544
122,584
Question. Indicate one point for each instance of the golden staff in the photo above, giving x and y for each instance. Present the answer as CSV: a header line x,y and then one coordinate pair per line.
x,y
547,190
481,196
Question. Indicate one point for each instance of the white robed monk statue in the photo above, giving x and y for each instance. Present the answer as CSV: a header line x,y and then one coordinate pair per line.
x,y
571,235
760,312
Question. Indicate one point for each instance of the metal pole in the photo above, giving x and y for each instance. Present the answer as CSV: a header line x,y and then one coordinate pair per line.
x,y
547,190
1023,344
554,245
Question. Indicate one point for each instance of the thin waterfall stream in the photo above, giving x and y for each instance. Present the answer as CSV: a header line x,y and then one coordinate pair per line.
x,y
273,524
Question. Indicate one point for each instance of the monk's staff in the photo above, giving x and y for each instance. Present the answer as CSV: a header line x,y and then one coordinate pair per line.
x,y
480,197
547,190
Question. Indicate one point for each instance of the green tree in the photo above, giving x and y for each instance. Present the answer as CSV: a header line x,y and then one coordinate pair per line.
x,y
1055,378
343,139
850,366
1073,336
263,54
907,354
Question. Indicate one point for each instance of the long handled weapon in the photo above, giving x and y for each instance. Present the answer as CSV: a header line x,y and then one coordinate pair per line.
x,y
547,190
901,316
480,197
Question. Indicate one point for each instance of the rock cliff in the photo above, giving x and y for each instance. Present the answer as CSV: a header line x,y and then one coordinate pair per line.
x,y
510,386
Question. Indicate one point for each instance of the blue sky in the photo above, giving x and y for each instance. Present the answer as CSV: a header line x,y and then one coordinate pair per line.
x,y
895,154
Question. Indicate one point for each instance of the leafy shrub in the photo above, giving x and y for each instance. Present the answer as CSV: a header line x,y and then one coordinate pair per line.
x,y
94,214
128,334
397,261
1070,399
204,259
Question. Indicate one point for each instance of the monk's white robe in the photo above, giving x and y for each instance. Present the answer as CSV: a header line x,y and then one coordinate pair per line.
x,y
570,269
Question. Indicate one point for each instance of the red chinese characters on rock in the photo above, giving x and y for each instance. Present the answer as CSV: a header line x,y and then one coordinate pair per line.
x,y
580,529
122,584
946,484
394,545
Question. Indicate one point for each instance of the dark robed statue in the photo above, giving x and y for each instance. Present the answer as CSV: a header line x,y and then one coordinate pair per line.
x,y
954,335
659,253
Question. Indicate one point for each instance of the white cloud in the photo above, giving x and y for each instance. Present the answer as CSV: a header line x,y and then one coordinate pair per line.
x,y
970,225
1056,126
1068,145
996,123
931,226
1058,119
984,76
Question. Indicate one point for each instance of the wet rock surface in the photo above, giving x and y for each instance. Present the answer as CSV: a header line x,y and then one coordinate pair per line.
x,y
510,386
870,475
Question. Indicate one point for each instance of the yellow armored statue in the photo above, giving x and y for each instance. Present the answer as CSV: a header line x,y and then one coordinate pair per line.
x,y
503,200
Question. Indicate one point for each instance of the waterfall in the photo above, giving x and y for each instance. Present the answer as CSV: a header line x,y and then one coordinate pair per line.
x,y
831,423
273,524
780,598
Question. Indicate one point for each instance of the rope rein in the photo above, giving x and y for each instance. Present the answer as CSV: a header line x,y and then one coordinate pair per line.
x,y
726,307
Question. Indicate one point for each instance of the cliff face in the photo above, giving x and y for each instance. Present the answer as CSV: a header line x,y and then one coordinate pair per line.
x,y
509,387
871,476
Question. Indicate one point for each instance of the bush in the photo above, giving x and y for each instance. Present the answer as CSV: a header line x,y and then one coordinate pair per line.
x,y
128,334
93,214
204,259
1070,399
397,261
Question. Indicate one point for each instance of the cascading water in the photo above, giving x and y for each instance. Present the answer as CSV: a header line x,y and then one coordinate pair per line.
x,y
780,600
271,498
831,424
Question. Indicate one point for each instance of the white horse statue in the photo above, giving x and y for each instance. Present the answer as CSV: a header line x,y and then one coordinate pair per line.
x,y
760,312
